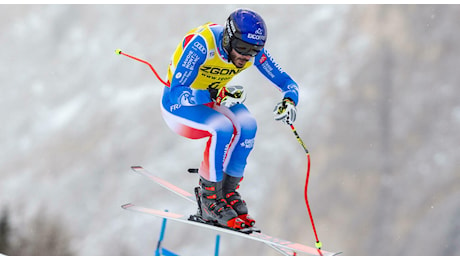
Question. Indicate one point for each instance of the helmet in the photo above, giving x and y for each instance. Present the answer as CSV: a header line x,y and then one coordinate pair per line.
x,y
245,32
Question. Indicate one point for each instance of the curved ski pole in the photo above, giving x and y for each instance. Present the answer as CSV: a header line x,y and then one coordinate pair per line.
x,y
119,52
318,244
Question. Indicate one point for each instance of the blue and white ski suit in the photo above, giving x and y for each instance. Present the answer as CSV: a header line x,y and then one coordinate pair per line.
x,y
200,62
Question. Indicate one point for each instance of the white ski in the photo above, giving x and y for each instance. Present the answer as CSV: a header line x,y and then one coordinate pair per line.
x,y
282,246
294,247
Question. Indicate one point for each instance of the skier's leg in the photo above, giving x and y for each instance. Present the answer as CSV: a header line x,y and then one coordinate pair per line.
x,y
245,128
199,122
196,122
236,159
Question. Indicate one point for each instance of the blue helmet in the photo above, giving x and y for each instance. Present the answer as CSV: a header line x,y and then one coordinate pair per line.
x,y
245,32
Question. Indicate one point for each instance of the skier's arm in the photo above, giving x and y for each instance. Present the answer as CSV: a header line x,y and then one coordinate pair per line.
x,y
193,56
268,67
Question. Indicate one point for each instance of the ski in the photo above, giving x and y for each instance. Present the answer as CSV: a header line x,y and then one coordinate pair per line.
x,y
294,247
282,246
190,197
167,185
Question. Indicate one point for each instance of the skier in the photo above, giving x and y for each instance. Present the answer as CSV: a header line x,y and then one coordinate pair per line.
x,y
198,103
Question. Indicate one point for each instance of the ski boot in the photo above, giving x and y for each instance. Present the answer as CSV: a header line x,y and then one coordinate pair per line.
x,y
213,208
233,198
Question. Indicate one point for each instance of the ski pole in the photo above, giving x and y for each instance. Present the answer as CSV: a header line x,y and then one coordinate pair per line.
x,y
119,52
160,239
318,244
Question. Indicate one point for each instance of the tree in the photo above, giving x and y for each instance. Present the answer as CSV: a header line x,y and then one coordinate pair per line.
x,y
4,233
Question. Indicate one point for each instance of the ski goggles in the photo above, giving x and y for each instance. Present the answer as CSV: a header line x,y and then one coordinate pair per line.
x,y
245,48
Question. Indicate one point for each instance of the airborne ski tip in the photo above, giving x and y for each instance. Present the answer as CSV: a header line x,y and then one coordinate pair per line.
x,y
167,185
127,205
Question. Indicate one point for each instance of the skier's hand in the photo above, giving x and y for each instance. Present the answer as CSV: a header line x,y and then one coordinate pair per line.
x,y
228,96
285,111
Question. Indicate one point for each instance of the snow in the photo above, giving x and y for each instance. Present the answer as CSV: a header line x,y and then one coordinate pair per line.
x,y
75,116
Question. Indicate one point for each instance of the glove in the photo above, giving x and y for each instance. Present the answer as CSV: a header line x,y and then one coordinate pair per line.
x,y
285,111
228,96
